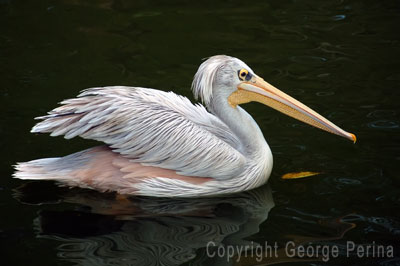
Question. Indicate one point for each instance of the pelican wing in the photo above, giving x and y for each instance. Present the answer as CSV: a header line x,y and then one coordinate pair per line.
x,y
152,127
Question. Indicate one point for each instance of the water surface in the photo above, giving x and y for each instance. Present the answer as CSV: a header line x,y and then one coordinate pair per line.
x,y
339,57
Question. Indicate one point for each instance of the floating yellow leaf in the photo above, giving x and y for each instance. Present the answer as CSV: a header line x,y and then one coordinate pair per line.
x,y
299,175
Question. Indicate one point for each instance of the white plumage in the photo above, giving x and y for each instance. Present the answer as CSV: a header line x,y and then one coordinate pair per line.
x,y
153,127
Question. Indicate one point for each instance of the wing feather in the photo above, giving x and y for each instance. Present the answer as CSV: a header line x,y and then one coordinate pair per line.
x,y
149,126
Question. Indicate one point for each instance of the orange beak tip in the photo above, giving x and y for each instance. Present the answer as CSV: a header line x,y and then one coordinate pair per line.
x,y
353,137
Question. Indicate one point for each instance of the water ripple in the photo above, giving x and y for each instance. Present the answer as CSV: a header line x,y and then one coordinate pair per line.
x,y
308,59
325,93
348,181
383,124
339,17
382,113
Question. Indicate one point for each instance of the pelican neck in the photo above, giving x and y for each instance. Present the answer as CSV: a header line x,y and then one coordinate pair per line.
x,y
241,124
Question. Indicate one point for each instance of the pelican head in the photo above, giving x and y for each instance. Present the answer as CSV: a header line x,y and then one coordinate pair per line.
x,y
234,81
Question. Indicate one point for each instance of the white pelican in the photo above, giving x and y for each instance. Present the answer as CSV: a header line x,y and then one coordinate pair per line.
x,y
160,144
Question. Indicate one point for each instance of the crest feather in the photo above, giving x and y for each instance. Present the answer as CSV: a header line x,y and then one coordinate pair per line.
x,y
203,81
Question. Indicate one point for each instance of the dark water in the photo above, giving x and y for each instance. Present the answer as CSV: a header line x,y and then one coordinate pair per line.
x,y
339,57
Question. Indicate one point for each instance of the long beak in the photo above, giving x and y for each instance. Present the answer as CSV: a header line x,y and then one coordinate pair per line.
x,y
256,89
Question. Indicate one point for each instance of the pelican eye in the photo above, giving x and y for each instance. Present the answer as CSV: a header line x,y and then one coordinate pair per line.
x,y
244,75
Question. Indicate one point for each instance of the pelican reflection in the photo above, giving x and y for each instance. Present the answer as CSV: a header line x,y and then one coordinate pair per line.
x,y
105,229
